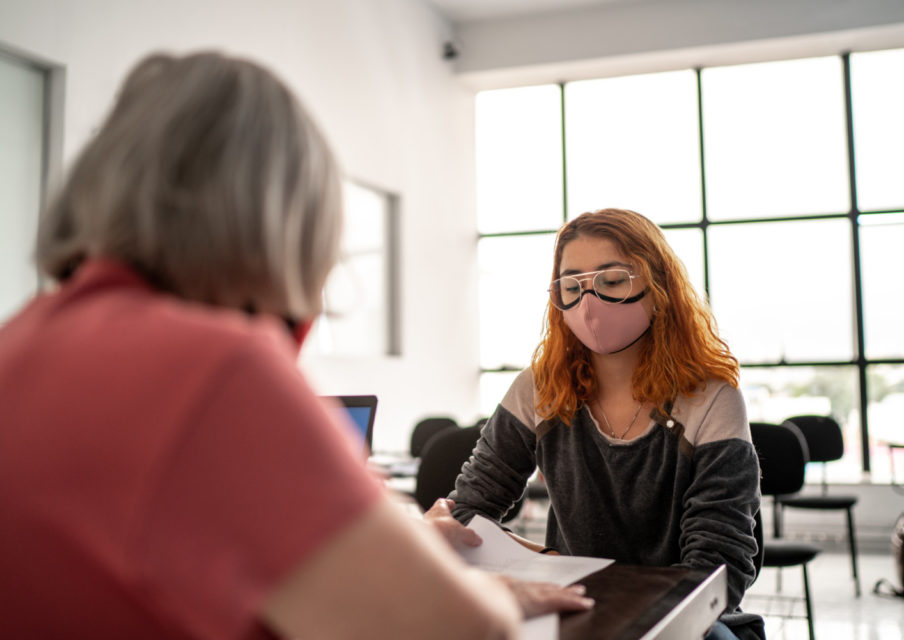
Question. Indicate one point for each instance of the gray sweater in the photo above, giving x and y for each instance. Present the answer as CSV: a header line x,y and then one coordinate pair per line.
x,y
683,493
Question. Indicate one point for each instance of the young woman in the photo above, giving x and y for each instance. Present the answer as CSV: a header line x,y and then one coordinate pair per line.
x,y
631,410
165,470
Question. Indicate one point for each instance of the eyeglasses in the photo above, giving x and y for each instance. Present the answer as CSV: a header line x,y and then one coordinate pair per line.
x,y
609,285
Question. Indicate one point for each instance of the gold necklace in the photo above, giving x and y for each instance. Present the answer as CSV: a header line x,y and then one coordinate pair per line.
x,y
630,424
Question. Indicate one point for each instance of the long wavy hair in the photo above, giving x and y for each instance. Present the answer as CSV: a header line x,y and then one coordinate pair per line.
x,y
682,350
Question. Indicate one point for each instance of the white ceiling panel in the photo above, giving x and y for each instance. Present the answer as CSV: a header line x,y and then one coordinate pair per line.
x,y
472,10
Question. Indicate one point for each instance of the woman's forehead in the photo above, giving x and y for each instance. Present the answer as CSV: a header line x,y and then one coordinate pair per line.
x,y
591,252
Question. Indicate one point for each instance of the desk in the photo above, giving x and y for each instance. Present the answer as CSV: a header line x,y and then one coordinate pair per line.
x,y
643,603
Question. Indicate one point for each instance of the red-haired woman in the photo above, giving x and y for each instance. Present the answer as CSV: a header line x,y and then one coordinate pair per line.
x,y
631,410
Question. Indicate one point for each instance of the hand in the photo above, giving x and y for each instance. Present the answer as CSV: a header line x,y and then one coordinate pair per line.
x,y
538,598
455,533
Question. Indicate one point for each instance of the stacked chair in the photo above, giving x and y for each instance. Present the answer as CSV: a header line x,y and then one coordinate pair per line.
x,y
825,443
425,429
442,459
782,452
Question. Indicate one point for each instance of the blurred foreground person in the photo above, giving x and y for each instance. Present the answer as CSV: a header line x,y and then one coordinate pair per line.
x,y
165,470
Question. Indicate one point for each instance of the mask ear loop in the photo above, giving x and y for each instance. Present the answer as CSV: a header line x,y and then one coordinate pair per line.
x,y
630,300
298,329
645,332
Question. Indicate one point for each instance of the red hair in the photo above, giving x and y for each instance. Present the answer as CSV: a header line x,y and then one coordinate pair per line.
x,y
682,351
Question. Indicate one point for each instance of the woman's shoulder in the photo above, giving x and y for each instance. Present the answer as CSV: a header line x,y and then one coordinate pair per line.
x,y
712,389
715,411
519,399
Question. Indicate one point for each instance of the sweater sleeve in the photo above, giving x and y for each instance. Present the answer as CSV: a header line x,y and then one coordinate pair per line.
x,y
719,505
494,477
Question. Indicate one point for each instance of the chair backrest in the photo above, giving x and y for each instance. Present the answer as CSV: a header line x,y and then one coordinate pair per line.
x,y
441,462
782,452
424,431
825,441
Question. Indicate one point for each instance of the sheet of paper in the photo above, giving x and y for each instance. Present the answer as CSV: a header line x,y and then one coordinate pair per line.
x,y
499,553
540,628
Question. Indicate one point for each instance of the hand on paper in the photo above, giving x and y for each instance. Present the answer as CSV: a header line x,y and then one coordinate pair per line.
x,y
455,533
539,598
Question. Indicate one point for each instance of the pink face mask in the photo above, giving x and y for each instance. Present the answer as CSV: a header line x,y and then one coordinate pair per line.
x,y
604,327
299,329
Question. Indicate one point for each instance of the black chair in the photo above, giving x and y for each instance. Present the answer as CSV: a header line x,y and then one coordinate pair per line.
x,y
782,452
425,429
825,443
441,462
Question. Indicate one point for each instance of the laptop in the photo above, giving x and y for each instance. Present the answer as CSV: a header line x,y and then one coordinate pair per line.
x,y
361,411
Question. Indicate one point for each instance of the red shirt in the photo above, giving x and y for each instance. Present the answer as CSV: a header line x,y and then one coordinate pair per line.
x,y
163,465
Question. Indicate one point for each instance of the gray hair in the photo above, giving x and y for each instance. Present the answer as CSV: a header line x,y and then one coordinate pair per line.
x,y
210,179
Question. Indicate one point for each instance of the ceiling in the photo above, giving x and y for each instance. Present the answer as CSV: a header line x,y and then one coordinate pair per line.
x,y
474,10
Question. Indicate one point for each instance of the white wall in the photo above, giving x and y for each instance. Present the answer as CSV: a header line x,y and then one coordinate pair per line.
x,y
371,73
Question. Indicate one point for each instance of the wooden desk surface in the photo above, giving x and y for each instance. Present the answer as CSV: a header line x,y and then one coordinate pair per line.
x,y
634,603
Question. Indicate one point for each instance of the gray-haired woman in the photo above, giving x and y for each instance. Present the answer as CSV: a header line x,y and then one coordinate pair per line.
x,y
165,471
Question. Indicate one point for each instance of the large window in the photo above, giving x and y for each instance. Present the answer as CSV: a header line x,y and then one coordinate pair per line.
x,y
360,299
778,184
775,139
22,168
633,143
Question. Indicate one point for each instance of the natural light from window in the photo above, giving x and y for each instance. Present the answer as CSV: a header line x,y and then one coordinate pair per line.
x,y
775,142
776,248
519,159
358,296
878,105
633,143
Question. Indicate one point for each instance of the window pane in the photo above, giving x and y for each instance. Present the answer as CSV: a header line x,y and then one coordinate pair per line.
x,y
688,244
886,406
21,169
357,296
519,159
882,263
774,394
878,102
782,291
633,143
514,276
775,139
492,389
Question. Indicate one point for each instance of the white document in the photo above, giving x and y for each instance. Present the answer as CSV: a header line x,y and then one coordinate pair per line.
x,y
499,553
540,628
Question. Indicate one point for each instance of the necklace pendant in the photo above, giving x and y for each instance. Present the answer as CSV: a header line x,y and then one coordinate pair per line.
x,y
609,425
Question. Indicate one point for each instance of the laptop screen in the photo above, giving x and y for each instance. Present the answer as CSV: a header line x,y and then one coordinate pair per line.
x,y
361,410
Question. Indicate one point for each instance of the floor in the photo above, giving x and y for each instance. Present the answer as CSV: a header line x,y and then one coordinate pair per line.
x,y
837,613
